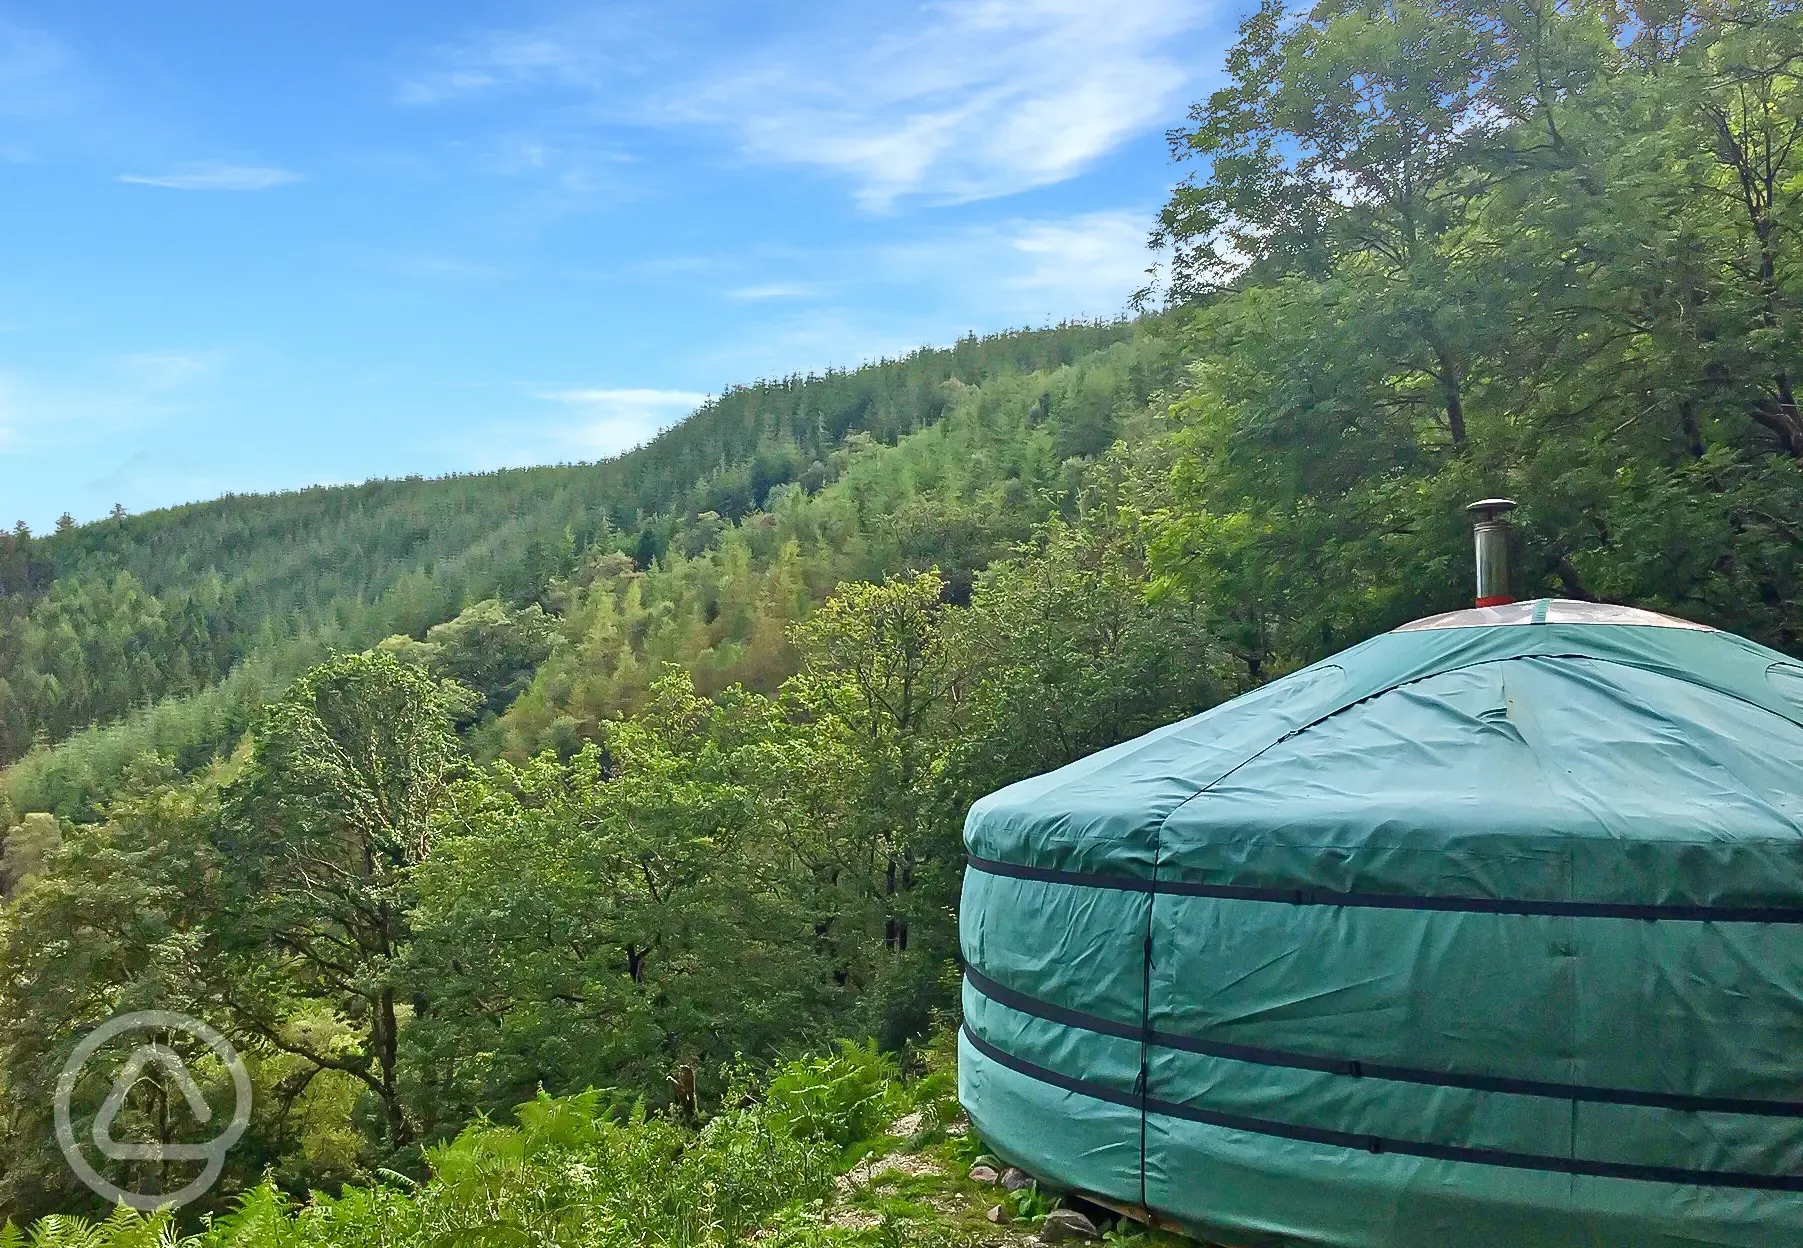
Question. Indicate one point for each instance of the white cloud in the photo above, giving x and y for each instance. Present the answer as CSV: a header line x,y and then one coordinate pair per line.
x,y
216,176
777,290
965,101
1089,264
948,101
611,421
1030,270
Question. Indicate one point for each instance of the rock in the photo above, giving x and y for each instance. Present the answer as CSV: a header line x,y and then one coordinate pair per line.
x,y
981,1173
1014,1178
1067,1226
997,1214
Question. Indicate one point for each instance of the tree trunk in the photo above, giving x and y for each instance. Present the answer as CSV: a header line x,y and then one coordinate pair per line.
x,y
1450,395
386,1048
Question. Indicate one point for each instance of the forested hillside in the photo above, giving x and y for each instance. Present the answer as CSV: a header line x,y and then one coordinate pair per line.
x,y
655,770
211,607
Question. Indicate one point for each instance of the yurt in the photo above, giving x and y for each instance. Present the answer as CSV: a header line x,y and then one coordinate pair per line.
x,y
1488,931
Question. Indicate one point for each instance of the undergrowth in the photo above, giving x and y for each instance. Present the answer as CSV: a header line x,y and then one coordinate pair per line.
x,y
799,1164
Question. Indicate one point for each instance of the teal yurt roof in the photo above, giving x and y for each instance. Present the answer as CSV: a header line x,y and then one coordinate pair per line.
x,y
1488,930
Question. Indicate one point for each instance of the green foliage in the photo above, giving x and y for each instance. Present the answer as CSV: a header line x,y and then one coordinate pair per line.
x,y
625,919
92,648
112,921
318,838
402,943
487,648
401,946
1029,1204
1446,251
954,496
75,778
26,850
842,1099
569,1173
1064,637
123,1229
716,876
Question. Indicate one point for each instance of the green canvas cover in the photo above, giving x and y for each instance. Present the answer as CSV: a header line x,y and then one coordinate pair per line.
x,y
1486,931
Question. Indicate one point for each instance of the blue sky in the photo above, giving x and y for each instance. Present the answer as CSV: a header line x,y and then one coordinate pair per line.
x,y
257,246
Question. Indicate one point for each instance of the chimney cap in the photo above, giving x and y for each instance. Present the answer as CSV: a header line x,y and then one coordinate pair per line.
x,y
1491,508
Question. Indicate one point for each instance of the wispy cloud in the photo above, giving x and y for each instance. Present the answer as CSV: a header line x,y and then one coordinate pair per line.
x,y
1089,264
886,300
778,290
216,176
949,101
37,71
611,421
437,88
1032,269
569,53
963,101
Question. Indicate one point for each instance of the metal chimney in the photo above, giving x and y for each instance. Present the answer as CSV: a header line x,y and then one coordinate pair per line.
x,y
1492,533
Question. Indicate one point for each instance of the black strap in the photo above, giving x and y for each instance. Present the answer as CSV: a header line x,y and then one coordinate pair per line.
x,y
1385,1144
1256,1055
1394,901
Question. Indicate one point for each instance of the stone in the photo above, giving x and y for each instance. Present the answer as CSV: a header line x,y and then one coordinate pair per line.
x,y
1014,1179
981,1173
1067,1226
997,1214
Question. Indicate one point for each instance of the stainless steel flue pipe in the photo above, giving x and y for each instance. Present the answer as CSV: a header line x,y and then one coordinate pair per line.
x,y
1492,534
